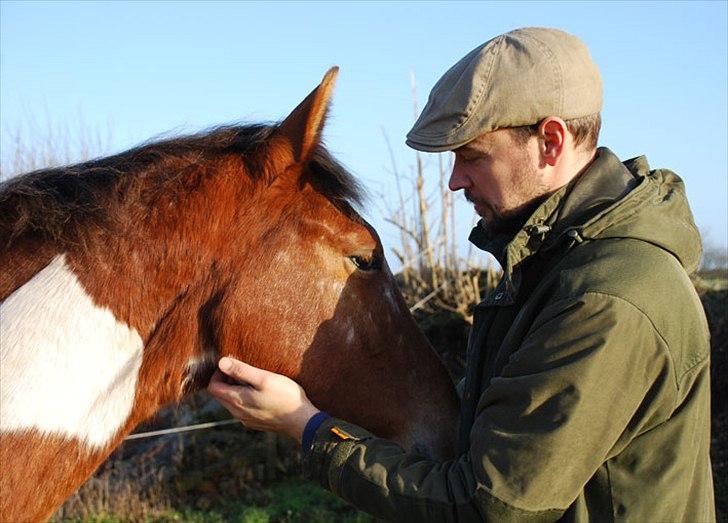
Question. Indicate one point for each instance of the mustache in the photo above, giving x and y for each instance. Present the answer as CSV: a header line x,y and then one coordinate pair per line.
x,y
470,197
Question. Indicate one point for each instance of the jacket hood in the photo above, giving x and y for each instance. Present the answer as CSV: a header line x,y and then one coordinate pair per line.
x,y
610,199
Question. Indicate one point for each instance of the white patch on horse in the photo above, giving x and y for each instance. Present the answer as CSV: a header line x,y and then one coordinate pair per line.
x,y
67,366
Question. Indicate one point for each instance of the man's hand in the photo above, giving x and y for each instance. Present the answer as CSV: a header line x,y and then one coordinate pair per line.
x,y
262,400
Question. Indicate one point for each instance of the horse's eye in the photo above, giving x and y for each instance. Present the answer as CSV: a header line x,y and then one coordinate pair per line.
x,y
363,263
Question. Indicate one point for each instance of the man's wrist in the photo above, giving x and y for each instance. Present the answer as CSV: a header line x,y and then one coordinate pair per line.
x,y
310,429
296,423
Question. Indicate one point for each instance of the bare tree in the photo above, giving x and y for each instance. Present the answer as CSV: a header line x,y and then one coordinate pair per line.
x,y
434,276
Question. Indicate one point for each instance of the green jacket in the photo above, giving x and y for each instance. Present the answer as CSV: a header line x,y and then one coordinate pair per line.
x,y
587,390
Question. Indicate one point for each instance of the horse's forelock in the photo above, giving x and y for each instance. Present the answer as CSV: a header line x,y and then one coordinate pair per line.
x,y
334,181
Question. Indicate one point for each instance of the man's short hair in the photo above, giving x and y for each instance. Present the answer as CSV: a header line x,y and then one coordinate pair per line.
x,y
585,131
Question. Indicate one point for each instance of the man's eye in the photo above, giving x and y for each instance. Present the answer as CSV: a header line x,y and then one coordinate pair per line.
x,y
363,263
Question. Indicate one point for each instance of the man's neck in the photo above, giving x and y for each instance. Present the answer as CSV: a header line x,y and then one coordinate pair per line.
x,y
571,167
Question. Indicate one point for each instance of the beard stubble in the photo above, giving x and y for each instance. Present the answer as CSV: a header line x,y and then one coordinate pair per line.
x,y
526,188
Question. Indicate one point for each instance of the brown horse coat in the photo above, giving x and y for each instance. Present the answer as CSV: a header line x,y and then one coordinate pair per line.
x,y
125,279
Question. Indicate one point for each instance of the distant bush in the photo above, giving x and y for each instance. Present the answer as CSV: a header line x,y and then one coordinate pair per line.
x,y
716,308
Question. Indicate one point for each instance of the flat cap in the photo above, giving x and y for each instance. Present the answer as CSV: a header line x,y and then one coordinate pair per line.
x,y
518,78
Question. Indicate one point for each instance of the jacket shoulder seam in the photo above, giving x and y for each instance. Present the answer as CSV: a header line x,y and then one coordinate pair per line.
x,y
664,345
694,362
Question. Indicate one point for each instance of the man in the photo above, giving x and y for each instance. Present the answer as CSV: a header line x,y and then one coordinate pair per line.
x,y
586,394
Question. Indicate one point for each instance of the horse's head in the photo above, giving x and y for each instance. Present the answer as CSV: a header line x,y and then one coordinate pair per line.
x,y
126,278
242,241
308,293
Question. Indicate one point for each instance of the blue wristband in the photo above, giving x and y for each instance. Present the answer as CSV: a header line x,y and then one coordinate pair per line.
x,y
312,426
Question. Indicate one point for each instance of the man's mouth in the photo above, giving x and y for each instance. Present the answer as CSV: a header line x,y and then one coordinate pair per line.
x,y
479,205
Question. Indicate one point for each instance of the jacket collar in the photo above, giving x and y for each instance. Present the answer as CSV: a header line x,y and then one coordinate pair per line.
x,y
560,218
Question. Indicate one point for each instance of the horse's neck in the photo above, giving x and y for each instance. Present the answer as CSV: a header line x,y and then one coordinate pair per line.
x,y
58,342
69,368
68,381
74,380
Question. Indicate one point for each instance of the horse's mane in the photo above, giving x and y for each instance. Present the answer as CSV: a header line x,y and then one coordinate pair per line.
x,y
51,201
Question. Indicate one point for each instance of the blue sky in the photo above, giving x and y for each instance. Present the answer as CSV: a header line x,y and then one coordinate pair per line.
x,y
139,69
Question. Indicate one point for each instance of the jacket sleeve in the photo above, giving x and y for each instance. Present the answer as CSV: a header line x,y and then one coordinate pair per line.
x,y
581,385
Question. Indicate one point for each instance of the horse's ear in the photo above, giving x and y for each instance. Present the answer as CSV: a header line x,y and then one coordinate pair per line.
x,y
298,135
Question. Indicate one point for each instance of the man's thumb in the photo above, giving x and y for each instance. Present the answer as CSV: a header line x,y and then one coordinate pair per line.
x,y
227,365
242,372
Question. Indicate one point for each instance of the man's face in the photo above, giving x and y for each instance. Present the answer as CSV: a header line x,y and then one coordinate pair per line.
x,y
500,176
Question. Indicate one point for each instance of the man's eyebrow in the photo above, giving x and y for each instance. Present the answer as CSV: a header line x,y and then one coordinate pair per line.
x,y
464,148
468,150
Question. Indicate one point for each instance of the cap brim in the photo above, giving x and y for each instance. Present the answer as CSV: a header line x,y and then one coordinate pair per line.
x,y
434,148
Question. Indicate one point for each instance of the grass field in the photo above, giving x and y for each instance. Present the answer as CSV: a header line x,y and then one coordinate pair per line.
x,y
291,501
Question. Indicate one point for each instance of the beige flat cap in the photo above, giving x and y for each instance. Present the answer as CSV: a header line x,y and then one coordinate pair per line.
x,y
518,78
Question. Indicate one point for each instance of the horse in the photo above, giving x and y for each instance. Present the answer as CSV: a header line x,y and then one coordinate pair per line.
x,y
125,279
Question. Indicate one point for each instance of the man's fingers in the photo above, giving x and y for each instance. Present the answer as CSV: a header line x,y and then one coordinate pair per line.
x,y
217,377
222,390
217,386
219,382
243,372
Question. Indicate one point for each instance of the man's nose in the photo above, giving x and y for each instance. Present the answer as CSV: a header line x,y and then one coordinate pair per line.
x,y
458,180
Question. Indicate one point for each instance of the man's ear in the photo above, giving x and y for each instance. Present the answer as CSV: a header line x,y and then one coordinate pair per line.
x,y
553,135
298,135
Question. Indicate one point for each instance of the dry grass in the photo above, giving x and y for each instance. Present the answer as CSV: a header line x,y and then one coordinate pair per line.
x,y
42,143
131,494
145,479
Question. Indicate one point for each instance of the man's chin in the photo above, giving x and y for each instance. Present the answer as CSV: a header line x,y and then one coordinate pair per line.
x,y
482,211
496,223
511,222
